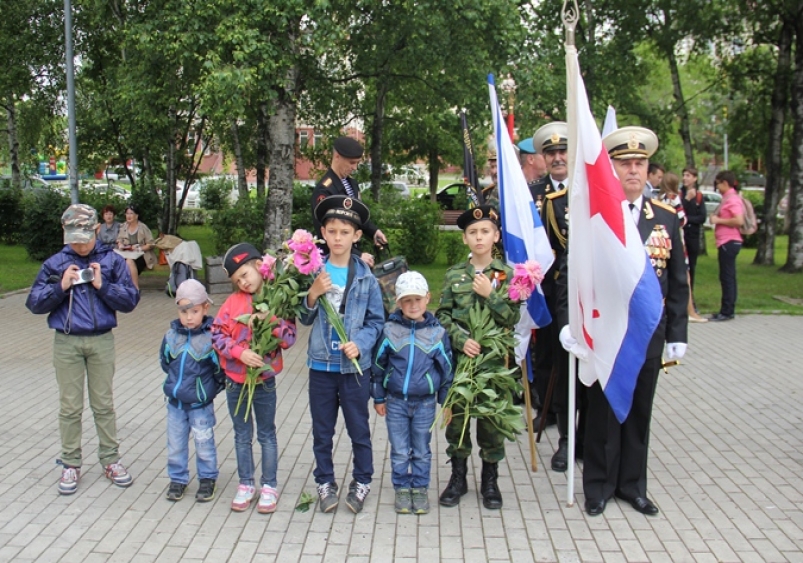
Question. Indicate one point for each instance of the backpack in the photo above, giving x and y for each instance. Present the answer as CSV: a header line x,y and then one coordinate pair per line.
x,y
750,225
178,274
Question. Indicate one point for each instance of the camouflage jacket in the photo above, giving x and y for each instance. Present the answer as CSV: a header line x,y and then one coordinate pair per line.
x,y
458,297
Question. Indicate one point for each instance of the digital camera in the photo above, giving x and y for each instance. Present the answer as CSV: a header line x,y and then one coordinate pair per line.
x,y
85,276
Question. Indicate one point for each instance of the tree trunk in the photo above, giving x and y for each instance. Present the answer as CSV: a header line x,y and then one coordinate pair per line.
x,y
434,168
376,139
262,148
683,114
279,203
13,142
590,48
794,260
168,211
242,185
772,191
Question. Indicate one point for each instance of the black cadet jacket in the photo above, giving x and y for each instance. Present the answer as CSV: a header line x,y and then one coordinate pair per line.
x,y
331,184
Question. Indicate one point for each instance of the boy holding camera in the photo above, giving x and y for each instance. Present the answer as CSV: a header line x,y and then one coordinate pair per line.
x,y
81,288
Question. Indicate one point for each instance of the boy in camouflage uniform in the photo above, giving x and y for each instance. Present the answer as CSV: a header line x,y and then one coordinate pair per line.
x,y
485,279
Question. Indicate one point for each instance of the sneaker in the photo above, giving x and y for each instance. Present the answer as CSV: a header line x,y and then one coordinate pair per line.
x,y
176,491
356,497
327,496
404,501
242,500
268,498
420,501
68,483
118,475
206,490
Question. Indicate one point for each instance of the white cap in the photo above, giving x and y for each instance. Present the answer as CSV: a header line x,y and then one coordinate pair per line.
x,y
411,283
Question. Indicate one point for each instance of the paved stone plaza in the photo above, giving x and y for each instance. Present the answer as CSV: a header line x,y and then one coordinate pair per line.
x,y
725,469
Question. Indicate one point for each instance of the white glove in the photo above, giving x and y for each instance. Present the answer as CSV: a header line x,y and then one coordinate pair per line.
x,y
675,350
570,343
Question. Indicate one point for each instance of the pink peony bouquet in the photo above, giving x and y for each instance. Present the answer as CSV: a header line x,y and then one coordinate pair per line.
x,y
526,277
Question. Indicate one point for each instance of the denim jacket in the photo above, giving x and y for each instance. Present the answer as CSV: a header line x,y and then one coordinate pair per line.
x,y
364,318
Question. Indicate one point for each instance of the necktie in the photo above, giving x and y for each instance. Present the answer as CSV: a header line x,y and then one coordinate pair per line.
x,y
633,212
560,186
347,185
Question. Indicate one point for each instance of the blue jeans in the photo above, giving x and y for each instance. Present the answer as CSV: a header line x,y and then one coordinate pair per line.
x,y
329,391
263,411
727,276
409,422
201,422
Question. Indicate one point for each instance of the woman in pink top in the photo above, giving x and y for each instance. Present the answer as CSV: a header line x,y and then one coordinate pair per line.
x,y
727,219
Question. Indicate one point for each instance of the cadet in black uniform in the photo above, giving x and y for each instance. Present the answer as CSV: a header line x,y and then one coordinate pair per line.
x,y
346,157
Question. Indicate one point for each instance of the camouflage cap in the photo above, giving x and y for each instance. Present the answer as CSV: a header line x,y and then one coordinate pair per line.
x,y
79,222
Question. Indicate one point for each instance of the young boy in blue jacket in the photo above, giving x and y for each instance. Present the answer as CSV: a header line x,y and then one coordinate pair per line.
x,y
334,381
193,380
413,368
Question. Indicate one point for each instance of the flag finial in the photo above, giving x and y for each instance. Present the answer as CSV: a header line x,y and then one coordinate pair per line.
x,y
570,16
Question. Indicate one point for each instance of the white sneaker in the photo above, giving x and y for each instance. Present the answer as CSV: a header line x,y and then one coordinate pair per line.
x,y
268,499
118,474
242,500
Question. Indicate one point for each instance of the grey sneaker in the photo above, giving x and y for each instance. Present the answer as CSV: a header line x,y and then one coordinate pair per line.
x,y
356,497
68,483
206,490
420,501
118,474
404,501
327,497
176,491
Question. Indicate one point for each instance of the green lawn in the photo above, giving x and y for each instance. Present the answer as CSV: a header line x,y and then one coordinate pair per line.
x,y
757,284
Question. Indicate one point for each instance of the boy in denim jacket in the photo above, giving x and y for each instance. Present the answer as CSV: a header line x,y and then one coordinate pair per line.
x,y
353,291
194,379
413,369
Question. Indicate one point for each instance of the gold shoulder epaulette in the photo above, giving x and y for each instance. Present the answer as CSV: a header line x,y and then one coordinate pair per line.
x,y
663,205
553,195
327,182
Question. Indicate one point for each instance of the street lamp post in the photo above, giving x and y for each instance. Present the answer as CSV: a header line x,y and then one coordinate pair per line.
x,y
68,53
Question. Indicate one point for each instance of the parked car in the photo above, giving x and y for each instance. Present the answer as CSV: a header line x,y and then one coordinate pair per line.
x,y
111,189
29,183
752,179
400,187
711,200
193,200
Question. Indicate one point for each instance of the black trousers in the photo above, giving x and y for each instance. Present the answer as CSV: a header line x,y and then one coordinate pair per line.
x,y
545,351
727,276
615,455
692,242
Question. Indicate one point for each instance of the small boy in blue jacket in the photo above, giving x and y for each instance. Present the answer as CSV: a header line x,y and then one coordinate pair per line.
x,y
194,379
413,368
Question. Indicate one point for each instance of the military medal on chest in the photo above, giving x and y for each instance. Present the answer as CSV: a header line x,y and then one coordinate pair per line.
x,y
539,203
658,247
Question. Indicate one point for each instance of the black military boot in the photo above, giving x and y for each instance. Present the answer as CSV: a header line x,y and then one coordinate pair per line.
x,y
458,486
560,459
491,497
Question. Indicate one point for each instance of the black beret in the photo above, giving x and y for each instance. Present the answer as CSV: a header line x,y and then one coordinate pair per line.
x,y
342,207
238,255
348,147
481,213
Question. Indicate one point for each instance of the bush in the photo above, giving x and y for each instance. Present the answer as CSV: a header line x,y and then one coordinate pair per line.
x,y
149,204
243,222
452,241
193,217
215,193
10,213
413,223
99,200
302,208
41,223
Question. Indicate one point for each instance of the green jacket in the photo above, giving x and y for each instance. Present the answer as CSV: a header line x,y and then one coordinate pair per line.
x,y
458,297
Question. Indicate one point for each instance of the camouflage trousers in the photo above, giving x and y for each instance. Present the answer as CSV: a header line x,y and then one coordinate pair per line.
x,y
490,442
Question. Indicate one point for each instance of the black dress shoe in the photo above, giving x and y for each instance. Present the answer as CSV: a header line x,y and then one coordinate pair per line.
x,y
641,504
719,317
595,507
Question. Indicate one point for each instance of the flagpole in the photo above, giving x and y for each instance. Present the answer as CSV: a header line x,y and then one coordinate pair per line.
x,y
570,16
528,415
